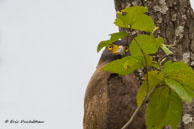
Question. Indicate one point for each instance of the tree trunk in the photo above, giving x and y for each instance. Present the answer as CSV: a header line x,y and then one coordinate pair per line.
x,y
175,19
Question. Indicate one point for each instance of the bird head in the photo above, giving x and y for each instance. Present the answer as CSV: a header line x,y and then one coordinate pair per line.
x,y
116,50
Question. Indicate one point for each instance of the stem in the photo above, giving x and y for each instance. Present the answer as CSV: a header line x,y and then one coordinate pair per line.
x,y
147,90
146,67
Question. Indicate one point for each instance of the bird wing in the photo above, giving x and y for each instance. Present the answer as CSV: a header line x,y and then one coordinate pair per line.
x,y
110,100
95,103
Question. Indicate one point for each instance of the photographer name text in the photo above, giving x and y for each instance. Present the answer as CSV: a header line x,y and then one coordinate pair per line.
x,y
24,121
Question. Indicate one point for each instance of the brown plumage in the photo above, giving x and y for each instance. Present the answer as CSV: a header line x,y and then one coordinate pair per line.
x,y
110,99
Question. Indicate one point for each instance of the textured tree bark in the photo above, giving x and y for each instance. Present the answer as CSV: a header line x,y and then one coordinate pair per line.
x,y
175,19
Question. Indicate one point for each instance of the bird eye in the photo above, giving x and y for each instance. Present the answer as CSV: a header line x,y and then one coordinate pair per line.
x,y
126,49
109,47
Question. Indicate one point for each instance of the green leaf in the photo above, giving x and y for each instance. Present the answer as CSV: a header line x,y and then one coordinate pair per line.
x,y
148,44
141,59
180,72
143,22
176,67
126,65
114,37
174,113
123,66
135,10
135,18
167,64
121,21
189,91
154,79
164,108
179,89
118,35
184,78
103,44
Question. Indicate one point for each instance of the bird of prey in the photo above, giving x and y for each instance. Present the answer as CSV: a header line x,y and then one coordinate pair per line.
x,y
110,99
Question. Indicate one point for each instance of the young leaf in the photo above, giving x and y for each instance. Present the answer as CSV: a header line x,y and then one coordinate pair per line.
x,y
162,60
179,89
114,37
156,28
126,20
147,42
154,79
155,64
165,49
135,18
164,108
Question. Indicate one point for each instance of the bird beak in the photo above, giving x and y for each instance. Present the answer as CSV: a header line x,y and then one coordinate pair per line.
x,y
120,50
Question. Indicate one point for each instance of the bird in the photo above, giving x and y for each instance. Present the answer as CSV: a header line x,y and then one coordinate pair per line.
x,y
110,99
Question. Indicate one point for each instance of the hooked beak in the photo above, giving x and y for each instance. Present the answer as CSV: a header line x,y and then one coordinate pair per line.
x,y
120,50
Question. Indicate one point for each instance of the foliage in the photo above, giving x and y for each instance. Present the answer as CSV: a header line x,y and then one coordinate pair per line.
x,y
165,85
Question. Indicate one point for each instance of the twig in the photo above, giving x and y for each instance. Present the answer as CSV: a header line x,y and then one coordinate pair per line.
x,y
137,109
147,90
132,117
